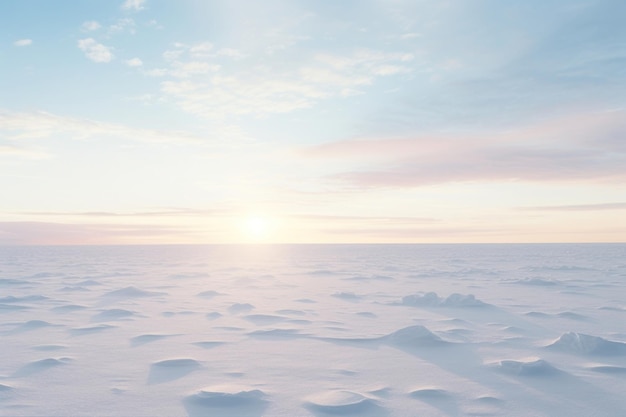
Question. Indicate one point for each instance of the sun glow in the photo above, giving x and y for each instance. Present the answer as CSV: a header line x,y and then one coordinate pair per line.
x,y
257,227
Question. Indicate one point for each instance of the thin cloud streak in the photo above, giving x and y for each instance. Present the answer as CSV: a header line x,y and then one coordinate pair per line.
x,y
582,147
23,42
414,234
577,207
22,152
376,219
39,124
47,233
174,212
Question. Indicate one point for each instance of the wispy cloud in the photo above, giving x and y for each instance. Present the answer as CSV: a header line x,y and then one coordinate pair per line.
x,y
125,24
22,152
415,234
581,147
134,62
198,84
95,51
162,212
23,42
90,26
34,125
578,207
47,233
135,5
397,220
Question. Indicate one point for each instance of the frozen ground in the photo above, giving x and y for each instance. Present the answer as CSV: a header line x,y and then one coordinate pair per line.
x,y
361,330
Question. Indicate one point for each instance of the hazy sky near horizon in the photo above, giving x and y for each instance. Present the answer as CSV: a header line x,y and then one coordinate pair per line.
x,y
202,121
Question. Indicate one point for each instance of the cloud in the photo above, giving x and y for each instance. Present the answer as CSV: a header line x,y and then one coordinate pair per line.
x,y
48,233
23,42
135,5
134,62
581,147
415,234
34,125
22,152
201,83
122,25
578,207
90,26
95,51
401,221
161,212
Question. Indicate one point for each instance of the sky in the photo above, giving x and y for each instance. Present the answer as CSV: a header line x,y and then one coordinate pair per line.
x,y
312,121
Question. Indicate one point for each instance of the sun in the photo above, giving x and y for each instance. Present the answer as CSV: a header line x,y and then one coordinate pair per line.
x,y
257,227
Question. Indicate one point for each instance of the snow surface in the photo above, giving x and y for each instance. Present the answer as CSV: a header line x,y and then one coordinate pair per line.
x,y
313,330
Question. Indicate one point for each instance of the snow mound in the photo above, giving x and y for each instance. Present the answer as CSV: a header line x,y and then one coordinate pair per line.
x,y
67,308
131,292
49,347
208,344
488,399
89,282
239,308
27,298
430,393
40,366
79,331
214,315
12,307
10,281
208,294
32,325
341,402
226,401
348,296
542,282
414,336
276,333
537,314
177,363
536,368
584,344
146,338
431,299
171,369
263,319
572,316
609,369
112,314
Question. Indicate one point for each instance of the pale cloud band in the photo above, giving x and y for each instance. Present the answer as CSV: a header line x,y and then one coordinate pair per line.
x,y
40,125
90,26
202,83
95,51
581,147
347,121
23,42
134,62
134,5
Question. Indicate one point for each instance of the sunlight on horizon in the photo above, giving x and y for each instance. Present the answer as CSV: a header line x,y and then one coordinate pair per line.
x,y
142,121
258,228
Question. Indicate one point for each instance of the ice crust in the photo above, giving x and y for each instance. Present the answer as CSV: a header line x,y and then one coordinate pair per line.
x,y
313,331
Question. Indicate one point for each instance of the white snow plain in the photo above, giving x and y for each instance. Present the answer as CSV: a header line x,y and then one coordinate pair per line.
x,y
313,330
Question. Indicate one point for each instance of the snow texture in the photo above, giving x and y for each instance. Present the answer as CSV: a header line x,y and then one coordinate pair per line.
x,y
313,331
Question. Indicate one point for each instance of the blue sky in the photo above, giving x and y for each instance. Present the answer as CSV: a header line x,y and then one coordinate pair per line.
x,y
147,121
